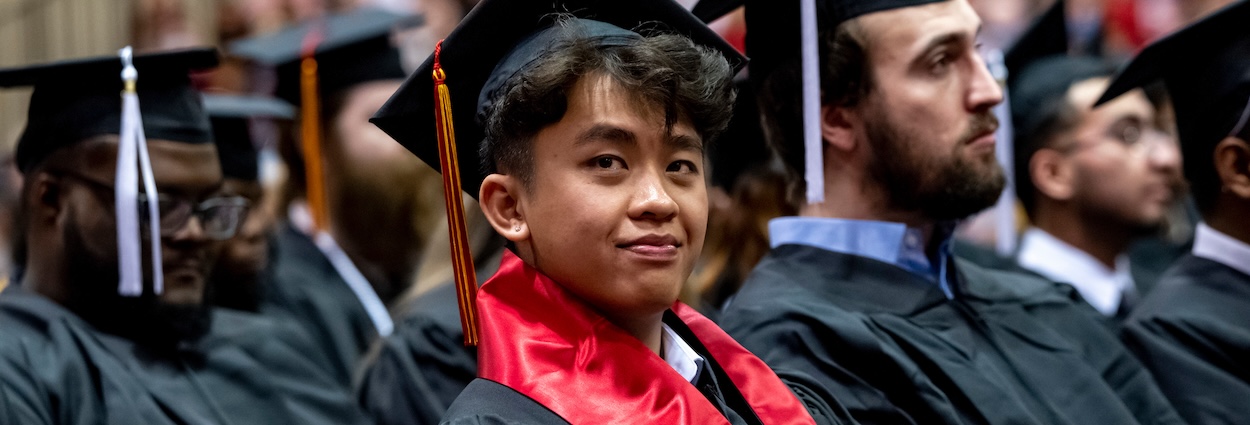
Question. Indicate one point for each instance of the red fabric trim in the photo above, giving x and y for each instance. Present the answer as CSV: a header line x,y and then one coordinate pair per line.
x,y
542,341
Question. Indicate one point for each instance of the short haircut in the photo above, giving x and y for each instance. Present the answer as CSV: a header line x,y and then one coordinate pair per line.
x,y
845,80
1053,118
666,70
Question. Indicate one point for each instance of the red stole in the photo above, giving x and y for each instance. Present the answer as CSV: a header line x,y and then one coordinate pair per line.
x,y
544,342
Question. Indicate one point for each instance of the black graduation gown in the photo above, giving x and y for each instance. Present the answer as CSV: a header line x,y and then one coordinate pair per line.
x,y
56,369
891,348
304,286
1193,332
1148,259
418,371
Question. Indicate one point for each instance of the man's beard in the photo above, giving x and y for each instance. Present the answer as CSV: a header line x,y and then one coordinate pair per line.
x,y
944,188
93,296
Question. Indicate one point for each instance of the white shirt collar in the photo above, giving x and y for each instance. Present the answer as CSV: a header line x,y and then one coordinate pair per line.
x,y
1102,287
1221,248
680,356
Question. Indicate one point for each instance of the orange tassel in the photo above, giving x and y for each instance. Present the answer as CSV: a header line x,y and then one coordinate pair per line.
x,y
461,256
310,112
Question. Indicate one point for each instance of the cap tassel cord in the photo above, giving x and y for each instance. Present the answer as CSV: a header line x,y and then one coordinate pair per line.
x,y
461,257
813,158
133,160
310,130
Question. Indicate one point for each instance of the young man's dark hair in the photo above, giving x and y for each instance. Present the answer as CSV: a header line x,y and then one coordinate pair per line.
x,y
663,70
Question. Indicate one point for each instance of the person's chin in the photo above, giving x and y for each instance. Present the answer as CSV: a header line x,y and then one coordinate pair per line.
x,y
183,288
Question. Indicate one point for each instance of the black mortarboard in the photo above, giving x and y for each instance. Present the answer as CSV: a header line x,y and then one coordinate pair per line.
x,y
773,30
498,39
1046,37
1040,72
1206,68
231,116
351,48
741,147
77,99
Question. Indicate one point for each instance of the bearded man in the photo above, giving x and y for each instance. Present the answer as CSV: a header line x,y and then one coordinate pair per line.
x,y
860,298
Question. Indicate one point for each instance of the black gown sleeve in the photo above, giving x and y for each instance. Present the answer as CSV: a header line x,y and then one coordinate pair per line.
x,y
485,402
414,374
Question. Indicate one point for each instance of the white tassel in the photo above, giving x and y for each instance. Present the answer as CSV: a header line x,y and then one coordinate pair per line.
x,y
131,154
813,160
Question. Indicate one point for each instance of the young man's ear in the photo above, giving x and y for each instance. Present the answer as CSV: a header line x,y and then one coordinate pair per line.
x,y
1052,174
45,198
500,200
837,127
1232,162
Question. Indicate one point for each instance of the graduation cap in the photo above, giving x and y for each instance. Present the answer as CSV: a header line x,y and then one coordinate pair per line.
x,y
784,32
349,48
741,147
1040,72
497,40
79,99
1206,69
1046,37
231,116
320,58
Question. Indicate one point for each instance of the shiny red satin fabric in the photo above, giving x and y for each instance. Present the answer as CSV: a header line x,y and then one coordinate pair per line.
x,y
545,343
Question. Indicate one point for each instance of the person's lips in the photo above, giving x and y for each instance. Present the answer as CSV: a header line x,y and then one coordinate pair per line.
x,y
653,247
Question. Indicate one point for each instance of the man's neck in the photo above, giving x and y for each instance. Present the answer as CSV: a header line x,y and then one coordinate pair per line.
x,y
1231,222
649,330
1103,241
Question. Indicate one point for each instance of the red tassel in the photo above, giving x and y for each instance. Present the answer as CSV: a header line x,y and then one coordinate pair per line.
x,y
461,256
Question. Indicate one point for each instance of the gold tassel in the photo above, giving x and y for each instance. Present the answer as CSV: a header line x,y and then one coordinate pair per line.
x,y
461,257
310,113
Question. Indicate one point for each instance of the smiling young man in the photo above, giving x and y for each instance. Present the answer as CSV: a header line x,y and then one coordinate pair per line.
x,y
593,125
860,296
76,347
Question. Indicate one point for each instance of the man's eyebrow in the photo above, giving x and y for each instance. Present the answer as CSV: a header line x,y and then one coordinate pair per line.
x,y
684,142
951,38
607,133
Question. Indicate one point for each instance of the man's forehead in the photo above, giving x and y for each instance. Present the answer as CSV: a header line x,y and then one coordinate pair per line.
x,y
909,29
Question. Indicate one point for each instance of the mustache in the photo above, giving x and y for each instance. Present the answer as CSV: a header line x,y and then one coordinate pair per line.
x,y
979,125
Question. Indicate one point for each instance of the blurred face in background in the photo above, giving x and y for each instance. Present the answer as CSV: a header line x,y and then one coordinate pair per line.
x,y
1124,170
384,200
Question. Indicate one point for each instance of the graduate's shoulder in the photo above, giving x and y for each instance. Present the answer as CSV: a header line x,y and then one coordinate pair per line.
x,y
1197,288
485,402
789,279
1013,286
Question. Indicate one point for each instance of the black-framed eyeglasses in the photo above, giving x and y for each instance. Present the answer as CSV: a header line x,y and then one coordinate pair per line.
x,y
220,217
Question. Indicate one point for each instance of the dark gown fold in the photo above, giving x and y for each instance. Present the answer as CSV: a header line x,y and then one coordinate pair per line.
x,y
56,369
890,347
1193,333
416,373
304,286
